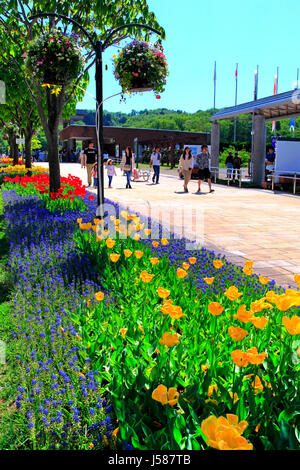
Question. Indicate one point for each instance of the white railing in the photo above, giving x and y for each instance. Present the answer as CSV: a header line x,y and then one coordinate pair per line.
x,y
291,175
218,172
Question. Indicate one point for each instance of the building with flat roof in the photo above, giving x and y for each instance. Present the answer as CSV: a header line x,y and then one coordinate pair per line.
x,y
116,139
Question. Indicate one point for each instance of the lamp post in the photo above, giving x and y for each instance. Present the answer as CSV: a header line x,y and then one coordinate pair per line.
x,y
98,47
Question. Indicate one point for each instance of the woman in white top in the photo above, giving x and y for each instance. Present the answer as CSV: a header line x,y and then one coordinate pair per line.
x,y
128,164
185,167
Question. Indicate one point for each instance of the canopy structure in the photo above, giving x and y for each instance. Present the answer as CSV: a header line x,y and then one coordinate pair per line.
x,y
275,107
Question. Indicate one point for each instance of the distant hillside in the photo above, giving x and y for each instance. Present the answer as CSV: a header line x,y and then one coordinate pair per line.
x,y
194,122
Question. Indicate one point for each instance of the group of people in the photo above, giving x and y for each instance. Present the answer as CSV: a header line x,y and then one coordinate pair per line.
x,y
201,162
233,164
88,160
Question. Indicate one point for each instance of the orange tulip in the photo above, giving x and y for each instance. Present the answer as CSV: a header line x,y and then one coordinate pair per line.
x,y
257,385
163,293
123,331
263,280
209,280
235,398
99,296
165,396
146,277
211,390
248,271
292,324
225,434
215,308
254,357
297,278
176,312
114,257
169,340
147,232
79,221
217,263
249,264
138,254
192,260
271,296
154,261
232,293
240,358
283,302
237,334
155,244
181,273
164,241
185,266
259,322
243,315
127,253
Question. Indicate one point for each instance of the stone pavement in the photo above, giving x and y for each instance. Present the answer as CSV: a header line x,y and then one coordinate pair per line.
x,y
239,223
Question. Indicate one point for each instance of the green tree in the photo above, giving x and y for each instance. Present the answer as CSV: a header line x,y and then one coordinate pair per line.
x,y
98,17
20,109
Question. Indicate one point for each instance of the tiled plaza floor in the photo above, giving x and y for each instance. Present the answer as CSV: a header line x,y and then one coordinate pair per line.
x,y
240,223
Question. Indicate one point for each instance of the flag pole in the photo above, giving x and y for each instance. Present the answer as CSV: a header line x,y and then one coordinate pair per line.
x,y
236,88
215,79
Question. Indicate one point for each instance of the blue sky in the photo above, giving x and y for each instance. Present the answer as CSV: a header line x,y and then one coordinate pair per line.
x,y
198,32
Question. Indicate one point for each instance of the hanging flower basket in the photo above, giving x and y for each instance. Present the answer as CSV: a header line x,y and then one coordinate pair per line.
x,y
54,58
140,67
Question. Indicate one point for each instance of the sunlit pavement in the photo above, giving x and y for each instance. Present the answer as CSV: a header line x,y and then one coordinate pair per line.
x,y
240,223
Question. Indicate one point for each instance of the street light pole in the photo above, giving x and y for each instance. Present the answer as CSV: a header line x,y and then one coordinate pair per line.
x,y
99,48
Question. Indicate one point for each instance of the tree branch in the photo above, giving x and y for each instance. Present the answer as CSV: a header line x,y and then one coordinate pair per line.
x,y
78,81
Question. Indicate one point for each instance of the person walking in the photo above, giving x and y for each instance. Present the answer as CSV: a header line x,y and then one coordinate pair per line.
x,y
155,162
229,165
237,161
127,165
94,175
185,167
111,171
90,156
202,160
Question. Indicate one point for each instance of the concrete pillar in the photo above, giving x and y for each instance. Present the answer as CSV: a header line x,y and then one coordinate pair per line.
x,y
215,145
259,150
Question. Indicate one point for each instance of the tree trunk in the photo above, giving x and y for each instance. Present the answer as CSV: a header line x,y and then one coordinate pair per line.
x,y
50,124
28,138
54,169
55,106
13,147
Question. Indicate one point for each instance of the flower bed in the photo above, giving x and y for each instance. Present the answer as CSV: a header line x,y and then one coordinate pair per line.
x,y
177,350
191,350
19,171
57,397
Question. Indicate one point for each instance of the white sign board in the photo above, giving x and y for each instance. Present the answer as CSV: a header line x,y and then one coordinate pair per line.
x,y
2,93
287,157
20,141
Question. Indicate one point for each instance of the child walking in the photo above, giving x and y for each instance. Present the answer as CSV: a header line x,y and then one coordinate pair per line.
x,y
94,174
111,171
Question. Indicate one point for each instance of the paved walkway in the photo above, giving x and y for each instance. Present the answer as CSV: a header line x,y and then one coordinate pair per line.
x,y
240,223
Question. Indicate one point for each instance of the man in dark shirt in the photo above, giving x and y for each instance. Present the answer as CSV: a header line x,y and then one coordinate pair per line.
x,y
90,156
